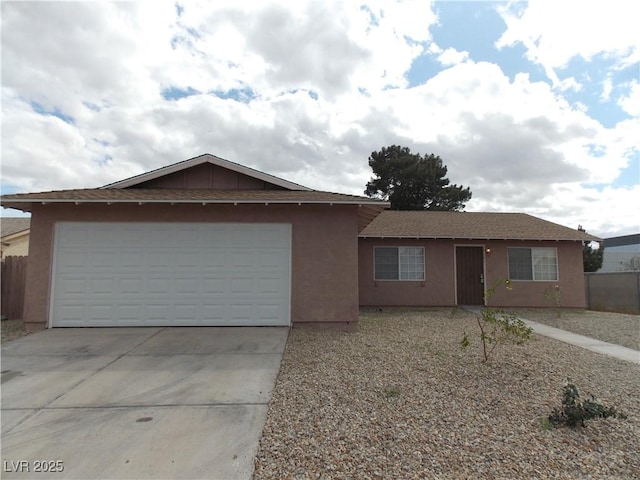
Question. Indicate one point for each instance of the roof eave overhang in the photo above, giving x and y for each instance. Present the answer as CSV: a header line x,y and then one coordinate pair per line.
x,y
25,205
476,239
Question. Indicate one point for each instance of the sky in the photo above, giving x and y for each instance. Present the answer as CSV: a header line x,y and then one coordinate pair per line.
x,y
533,105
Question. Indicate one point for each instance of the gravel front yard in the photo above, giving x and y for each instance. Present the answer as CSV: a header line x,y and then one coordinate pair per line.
x,y
398,399
12,330
618,328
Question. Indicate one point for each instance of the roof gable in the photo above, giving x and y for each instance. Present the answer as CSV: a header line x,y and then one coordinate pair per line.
x,y
209,172
469,225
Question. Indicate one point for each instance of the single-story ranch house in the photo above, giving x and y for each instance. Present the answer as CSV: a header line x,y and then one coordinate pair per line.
x,y
210,242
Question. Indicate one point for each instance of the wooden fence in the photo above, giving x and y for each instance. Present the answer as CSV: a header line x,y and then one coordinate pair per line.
x,y
12,282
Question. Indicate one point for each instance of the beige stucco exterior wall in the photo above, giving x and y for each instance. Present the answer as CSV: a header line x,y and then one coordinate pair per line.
x,y
438,289
530,293
434,291
324,276
18,244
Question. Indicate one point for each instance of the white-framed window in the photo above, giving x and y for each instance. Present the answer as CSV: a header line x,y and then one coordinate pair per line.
x,y
538,264
398,263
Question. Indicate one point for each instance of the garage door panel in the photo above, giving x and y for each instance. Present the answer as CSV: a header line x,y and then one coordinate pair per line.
x,y
186,311
212,261
157,312
189,237
128,312
73,312
101,312
242,313
171,274
159,260
102,286
130,286
242,285
212,286
187,286
272,259
131,259
72,259
214,311
271,312
269,285
159,286
74,285
242,258
189,258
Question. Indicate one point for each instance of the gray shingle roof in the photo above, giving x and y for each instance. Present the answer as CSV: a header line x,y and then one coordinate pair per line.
x,y
469,225
11,225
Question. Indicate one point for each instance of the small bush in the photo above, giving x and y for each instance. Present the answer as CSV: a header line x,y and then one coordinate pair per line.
x,y
553,296
575,412
391,392
545,423
497,326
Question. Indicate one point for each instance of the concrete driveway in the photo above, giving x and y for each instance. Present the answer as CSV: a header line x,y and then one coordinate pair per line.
x,y
137,402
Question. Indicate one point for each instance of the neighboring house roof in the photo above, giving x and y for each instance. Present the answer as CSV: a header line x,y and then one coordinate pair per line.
x,y
622,241
13,225
206,158
468,225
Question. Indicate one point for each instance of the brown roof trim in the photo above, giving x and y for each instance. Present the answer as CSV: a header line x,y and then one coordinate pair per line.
x,y
484,239
368,208
205,158
169,196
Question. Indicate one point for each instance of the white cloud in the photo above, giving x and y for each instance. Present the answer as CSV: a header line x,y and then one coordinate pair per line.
x,y
515,142
555,32
93,52
602,211
451,56
630,103
330,47
607,88
570,83
45,152
606,212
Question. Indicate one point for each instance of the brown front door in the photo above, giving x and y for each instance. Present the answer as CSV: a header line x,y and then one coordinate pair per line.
x,y
470,275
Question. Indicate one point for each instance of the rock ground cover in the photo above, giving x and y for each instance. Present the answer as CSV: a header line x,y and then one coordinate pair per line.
x,y
399,399
12,330
619,328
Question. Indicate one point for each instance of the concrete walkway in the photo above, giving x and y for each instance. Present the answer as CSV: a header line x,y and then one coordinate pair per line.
x,y
588,343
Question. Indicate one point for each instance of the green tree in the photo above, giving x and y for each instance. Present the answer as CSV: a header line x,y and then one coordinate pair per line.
x,y
591,257
413,182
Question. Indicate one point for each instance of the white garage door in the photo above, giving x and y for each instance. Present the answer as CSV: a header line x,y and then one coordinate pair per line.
x,y
159,274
